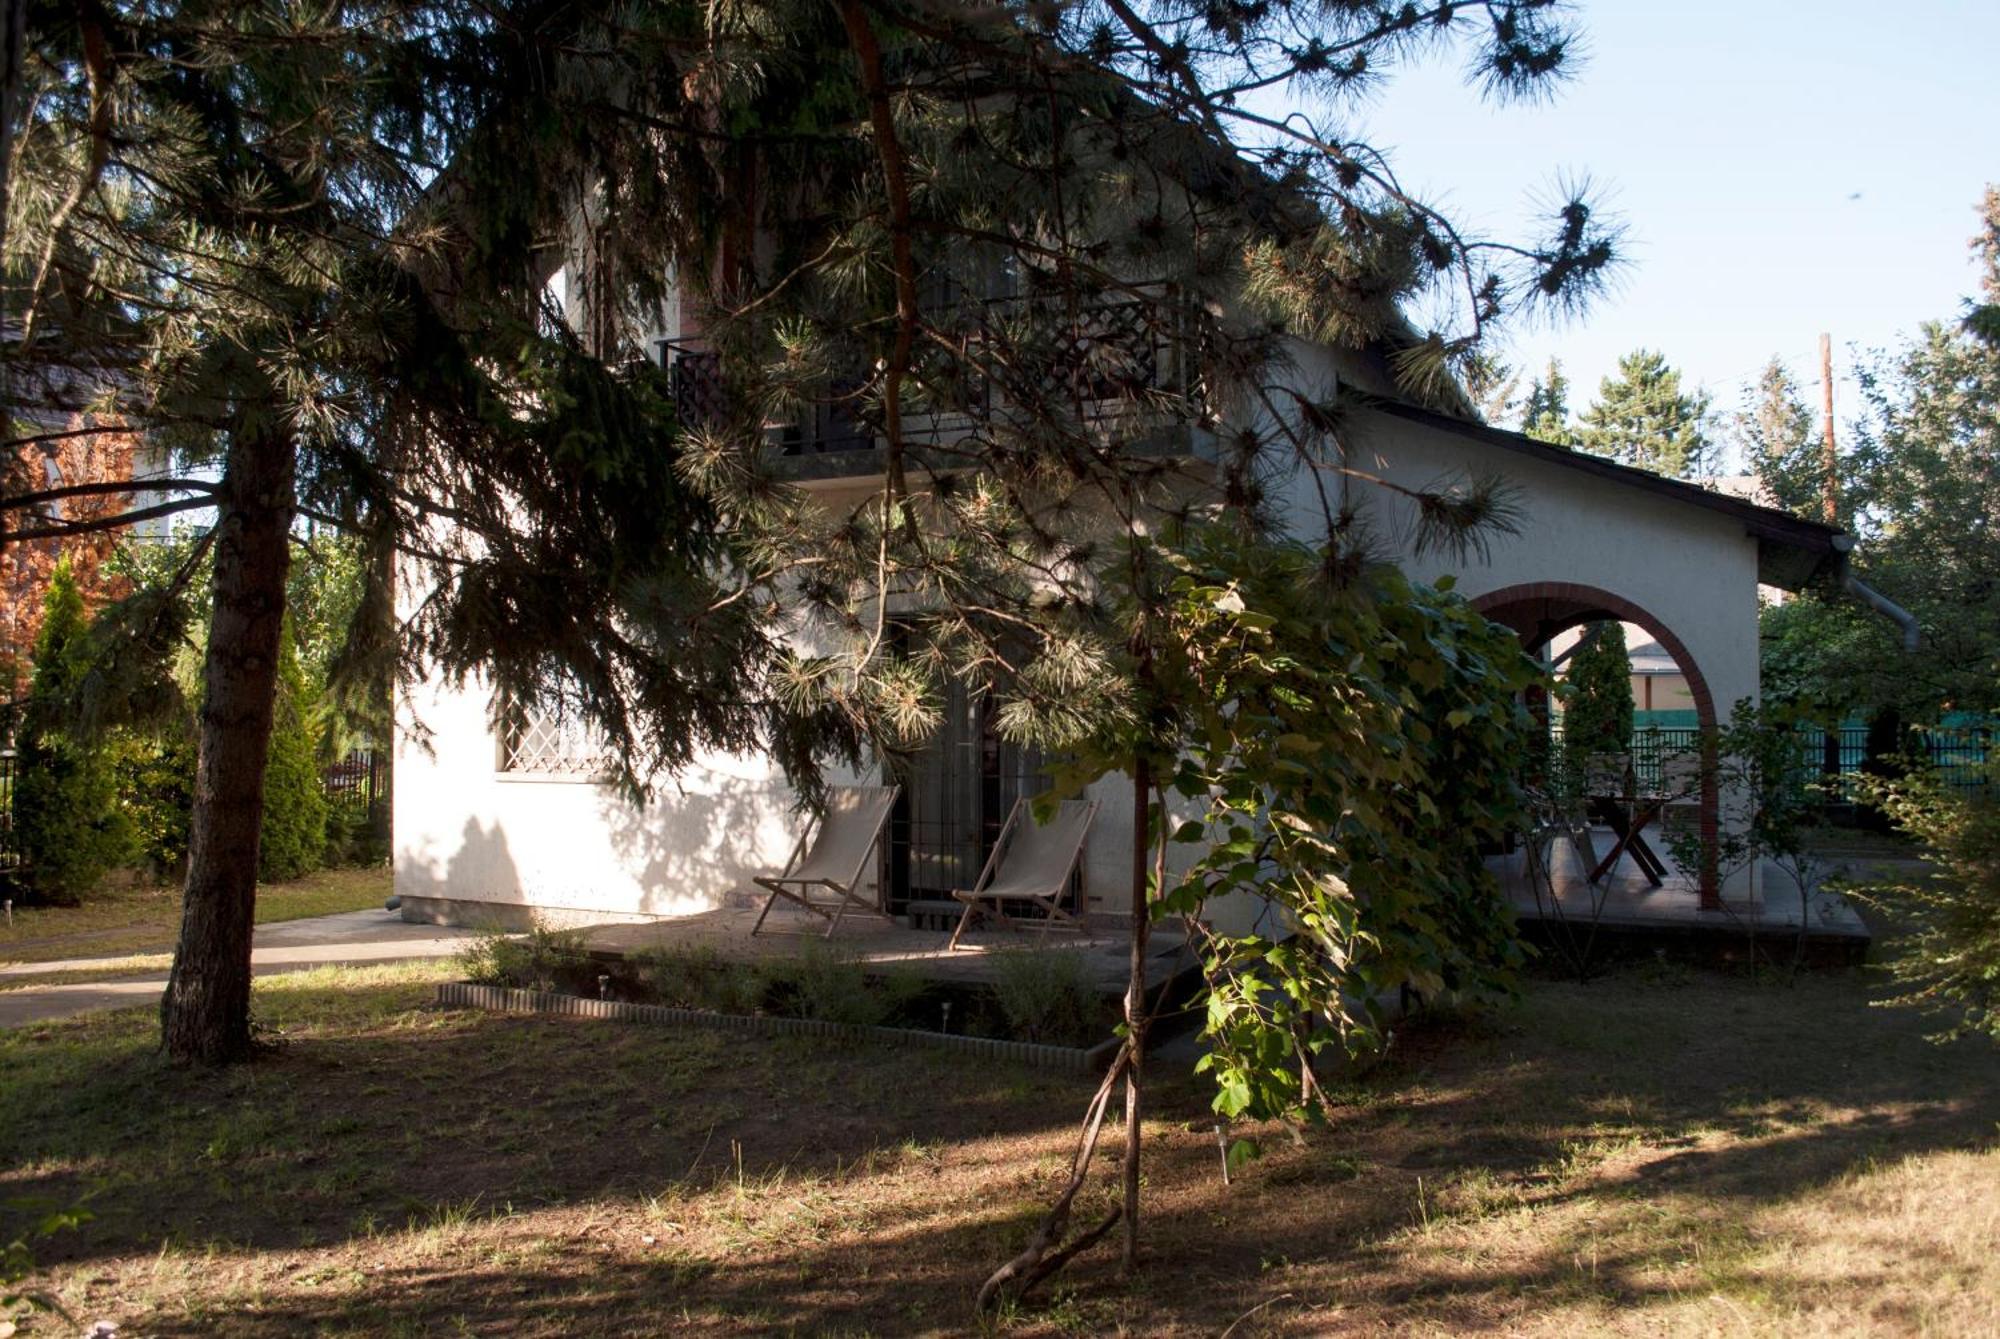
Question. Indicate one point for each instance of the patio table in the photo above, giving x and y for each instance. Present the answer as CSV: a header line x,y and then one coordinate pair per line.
x,y
1627,817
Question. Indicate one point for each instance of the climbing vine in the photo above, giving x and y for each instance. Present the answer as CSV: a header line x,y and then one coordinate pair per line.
x,y
1338,754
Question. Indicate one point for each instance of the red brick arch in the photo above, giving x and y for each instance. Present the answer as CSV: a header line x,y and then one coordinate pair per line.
x,y
1538,610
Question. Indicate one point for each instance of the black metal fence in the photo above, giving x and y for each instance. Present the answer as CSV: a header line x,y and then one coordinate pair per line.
x,y
1958,757
361,779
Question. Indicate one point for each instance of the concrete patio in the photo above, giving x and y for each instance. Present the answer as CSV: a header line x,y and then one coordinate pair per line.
x,y
1761,907
1104,944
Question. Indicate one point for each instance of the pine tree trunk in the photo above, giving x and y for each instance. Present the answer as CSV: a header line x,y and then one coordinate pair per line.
x,y
1135,1002
205,1016
13,40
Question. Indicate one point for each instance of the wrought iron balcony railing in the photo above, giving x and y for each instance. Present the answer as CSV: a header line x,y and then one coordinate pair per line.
x,y
1103,361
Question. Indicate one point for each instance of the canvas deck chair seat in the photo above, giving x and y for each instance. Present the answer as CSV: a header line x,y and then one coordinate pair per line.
x,y
1030,866
824,874
1541,854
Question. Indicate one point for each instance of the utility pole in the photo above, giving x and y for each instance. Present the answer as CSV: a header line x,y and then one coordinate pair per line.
x,y
1832,459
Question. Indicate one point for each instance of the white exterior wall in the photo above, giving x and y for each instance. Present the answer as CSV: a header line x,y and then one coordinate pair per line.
x,y
1693,570
467,834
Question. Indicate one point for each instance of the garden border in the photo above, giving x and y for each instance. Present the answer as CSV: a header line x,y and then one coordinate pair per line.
x,y
505,999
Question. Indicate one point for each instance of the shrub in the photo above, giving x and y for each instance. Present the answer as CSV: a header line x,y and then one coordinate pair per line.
x,y
1046,995
294,831
66,815
156,790
352,835
1948,960
541,959
698,977
832,987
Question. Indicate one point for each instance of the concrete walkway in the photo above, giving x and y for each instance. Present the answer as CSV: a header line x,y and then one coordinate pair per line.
x,y
347,938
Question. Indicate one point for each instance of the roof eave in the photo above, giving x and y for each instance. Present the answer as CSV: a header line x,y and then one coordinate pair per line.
x,y
1792,552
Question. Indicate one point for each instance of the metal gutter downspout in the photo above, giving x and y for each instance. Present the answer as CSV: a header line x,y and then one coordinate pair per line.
x,y
1913,638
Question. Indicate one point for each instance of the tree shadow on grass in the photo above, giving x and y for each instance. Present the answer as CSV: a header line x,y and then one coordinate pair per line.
x,y
333,1136
1636,1126
501,1174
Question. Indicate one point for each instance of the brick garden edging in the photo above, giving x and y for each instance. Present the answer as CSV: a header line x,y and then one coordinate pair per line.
x,y
502,999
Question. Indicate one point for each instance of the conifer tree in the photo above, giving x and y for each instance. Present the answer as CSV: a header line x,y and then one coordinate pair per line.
x,y
66,814
292,840
1642,417
1780,443
226,230
1982,314
1597,718
1160,239
1491,384
1927,501
1545,411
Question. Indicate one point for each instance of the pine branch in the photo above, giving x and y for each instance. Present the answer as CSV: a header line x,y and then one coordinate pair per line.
x,y
72,528
895,173
97,62
109,487
42,438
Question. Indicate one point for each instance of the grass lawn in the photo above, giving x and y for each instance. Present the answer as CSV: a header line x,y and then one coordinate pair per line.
x,y
1659,1152
134,919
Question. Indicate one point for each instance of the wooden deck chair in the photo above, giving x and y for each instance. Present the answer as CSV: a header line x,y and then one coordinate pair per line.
x,y
1680,786
1031,863
1541,856
825,879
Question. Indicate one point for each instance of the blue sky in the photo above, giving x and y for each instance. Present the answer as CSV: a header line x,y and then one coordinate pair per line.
x,y
1783,169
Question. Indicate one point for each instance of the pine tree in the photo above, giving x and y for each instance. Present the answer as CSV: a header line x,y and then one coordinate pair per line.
x,y
324,330
1927,503
1128,207
1982,314
1491,383
1545,411
1922,489
1643,418
1052,229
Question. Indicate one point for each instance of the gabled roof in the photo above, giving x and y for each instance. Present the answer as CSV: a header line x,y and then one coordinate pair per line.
x,y
1792,552
1652,658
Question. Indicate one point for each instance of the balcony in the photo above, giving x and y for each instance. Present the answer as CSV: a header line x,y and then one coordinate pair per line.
x,y
1107,365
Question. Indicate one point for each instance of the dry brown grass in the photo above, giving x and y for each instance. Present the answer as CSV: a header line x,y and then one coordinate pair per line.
x,y
1658,1152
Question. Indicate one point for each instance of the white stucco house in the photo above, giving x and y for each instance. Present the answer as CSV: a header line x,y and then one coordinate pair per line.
x,y
500,827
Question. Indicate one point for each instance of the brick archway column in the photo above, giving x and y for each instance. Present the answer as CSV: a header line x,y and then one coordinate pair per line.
x,y
1590,604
